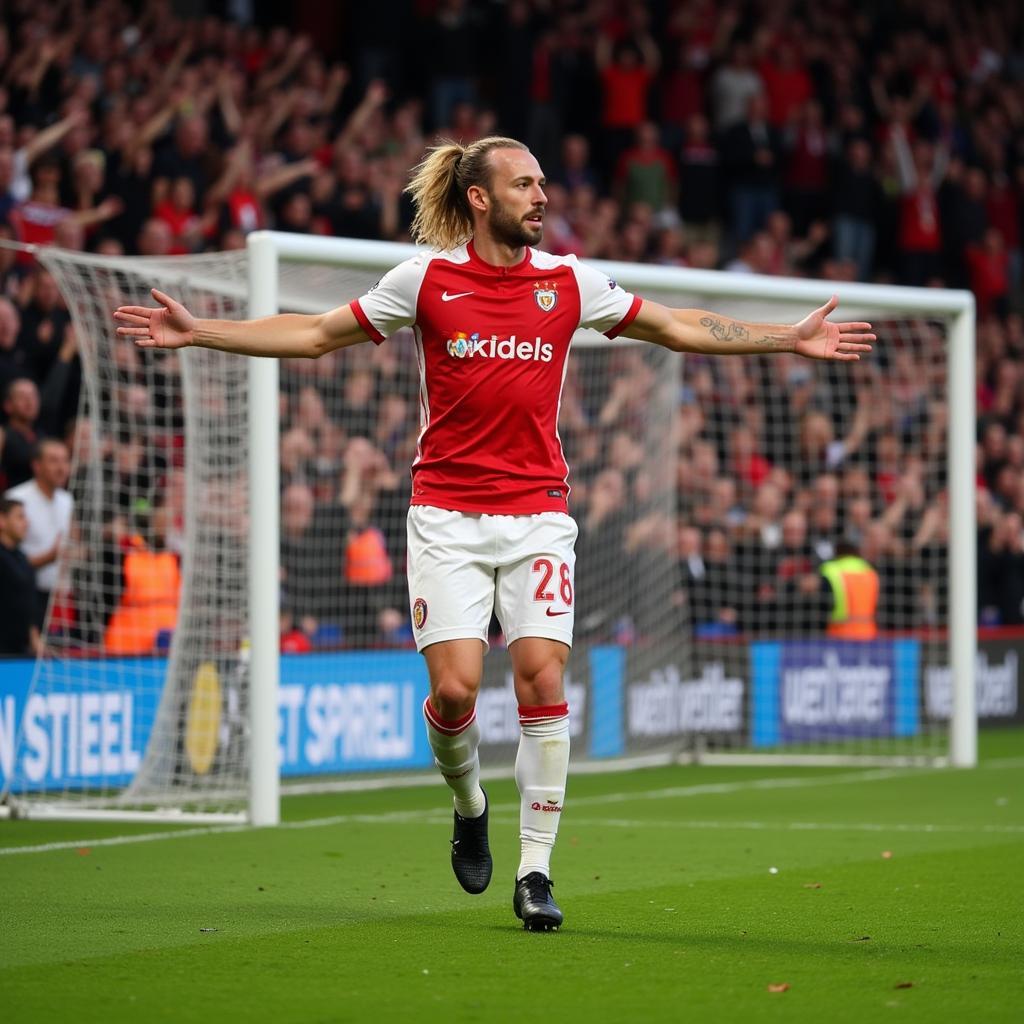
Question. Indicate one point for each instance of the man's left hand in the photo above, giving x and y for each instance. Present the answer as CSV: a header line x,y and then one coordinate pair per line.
x,y
820,338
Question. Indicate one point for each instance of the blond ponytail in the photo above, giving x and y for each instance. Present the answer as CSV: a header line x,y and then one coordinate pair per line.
x,y
438,188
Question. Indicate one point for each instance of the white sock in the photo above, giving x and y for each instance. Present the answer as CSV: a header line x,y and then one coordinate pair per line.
x,y
542,765
455,746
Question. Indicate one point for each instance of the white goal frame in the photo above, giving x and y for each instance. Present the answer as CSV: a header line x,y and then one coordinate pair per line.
x,y
267,249
267,289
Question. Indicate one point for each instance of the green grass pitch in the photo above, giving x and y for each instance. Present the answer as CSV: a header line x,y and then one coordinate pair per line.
x,y
896,895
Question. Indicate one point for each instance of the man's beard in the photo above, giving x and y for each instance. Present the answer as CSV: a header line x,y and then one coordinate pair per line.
x,y
509,230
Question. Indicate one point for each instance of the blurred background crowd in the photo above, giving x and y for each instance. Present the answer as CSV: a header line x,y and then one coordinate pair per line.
x,y
849,141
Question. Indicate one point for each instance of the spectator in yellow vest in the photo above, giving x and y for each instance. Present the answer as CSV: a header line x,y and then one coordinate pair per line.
x,y
854,586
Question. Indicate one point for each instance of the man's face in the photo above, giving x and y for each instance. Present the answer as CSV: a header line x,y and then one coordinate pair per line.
x,y
47,294
516,199
53,465
14,525
794,530
47,176
23,401
191,136
155,238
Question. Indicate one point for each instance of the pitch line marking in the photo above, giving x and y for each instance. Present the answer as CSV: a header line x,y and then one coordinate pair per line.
x,y
789,826
395,817
430,816
441,818
435,816
426,777
719,788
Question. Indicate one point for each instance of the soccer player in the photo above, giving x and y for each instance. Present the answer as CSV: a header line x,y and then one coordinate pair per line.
x,y
489,525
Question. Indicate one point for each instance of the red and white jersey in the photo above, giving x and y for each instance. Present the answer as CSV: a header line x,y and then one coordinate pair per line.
x,y
37,222
492,345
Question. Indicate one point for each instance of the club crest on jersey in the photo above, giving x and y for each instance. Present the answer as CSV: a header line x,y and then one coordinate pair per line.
x,y
545,294
419,612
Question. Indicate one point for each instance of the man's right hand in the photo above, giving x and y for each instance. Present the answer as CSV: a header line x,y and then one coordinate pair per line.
x,y
170,325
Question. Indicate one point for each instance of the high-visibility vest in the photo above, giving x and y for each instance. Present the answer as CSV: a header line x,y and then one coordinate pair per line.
x,y
855,598
366,558
149,602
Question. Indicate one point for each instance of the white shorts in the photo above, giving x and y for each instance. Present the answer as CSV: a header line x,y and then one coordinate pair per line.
x,y
463,565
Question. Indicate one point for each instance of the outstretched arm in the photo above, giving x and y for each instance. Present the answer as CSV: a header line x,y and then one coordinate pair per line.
x,y
46,139
107,210
171,325
696,330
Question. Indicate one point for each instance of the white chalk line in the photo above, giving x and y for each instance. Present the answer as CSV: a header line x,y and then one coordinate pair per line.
x,y
401,817
396,817
719,788
443,818
788,826
428,817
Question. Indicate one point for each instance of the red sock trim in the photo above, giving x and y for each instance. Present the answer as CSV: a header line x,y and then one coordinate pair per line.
x,y
452,728
542,712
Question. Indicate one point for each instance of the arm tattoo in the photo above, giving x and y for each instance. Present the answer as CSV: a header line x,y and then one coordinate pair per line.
x,y
737,332
734,332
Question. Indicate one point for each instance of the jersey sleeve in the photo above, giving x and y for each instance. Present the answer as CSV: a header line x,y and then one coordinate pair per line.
x,y
391,303
604,306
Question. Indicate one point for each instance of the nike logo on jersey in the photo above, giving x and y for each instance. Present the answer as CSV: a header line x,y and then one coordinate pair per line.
x,y
445,297
552,614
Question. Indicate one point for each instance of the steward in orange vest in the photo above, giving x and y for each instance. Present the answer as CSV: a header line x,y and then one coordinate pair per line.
x,y
149,601
854,585
367,563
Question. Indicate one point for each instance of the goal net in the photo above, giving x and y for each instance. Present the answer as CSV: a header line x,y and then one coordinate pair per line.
x,y
715,496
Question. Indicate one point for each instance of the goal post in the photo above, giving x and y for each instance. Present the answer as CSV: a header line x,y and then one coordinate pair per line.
x,y
963,636
213,719
264,537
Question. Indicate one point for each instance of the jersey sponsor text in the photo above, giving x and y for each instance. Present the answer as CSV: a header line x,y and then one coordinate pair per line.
x,y
464,346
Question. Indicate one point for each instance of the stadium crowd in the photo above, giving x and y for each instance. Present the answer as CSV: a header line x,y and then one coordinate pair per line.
x,y
867,141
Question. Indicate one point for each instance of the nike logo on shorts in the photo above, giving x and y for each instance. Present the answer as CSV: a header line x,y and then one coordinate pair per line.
x,y
552,614
445,297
